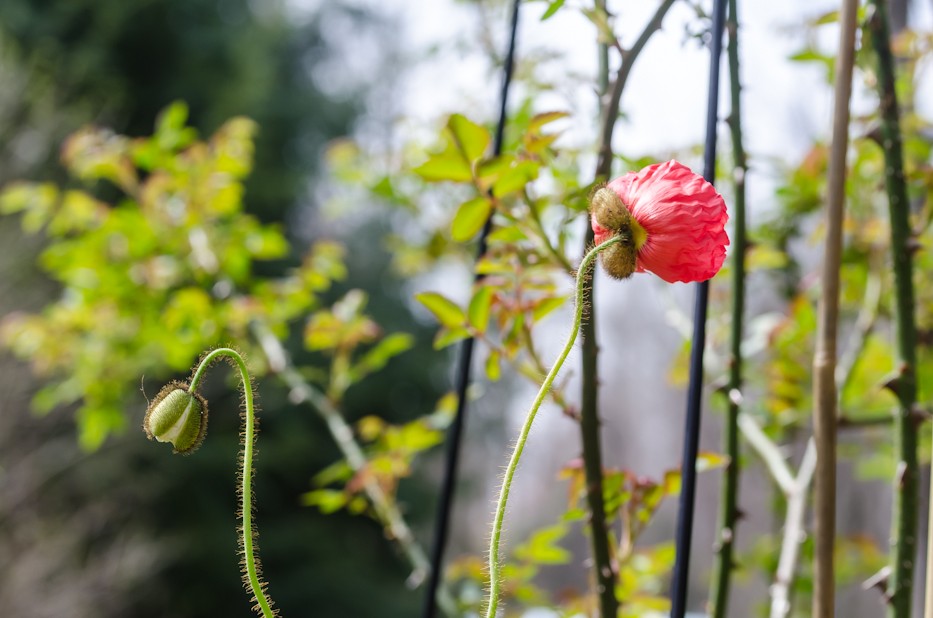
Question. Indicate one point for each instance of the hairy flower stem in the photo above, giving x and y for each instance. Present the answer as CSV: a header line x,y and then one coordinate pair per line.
x,y
728,509
495,574
824,357
904,518
247,530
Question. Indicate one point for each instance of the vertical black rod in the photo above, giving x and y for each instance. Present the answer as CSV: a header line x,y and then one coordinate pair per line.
x,y
465,361
695,388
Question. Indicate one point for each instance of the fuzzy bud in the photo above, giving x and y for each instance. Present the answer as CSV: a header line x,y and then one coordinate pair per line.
x,y
669,220
178,417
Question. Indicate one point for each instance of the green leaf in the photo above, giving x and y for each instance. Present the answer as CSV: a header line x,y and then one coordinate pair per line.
x,y
171,133
542,547
339,471
600,18
539,120
551,9
493,366
480,306
326,500
546,305
471,139
77,212
864,390
711,461
764,257
506,234
515,178
36,201
470,218
377,358
447,312
447,165
448,336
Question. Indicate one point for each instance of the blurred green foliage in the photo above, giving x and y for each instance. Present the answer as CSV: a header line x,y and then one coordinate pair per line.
x,y
119,226
152,281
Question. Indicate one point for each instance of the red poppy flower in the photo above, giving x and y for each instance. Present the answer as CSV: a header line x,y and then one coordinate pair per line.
x,y
671,221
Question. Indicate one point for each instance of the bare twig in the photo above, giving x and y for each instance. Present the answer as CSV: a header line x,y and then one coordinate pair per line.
x,y
386,510
795,489
768,451
794,534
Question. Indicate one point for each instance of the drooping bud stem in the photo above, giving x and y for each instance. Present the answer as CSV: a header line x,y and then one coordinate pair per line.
x,y
179,415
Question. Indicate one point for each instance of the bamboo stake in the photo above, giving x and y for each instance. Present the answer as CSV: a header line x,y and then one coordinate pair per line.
x,y
824,358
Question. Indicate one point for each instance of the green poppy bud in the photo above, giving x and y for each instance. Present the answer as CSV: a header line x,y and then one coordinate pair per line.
x,y
177,416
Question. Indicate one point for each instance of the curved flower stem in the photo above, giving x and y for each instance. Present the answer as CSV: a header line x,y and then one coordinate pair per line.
x,y
904,518
247,532
728,510
494,563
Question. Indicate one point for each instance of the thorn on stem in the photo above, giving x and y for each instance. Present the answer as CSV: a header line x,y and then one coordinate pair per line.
x,y
880,581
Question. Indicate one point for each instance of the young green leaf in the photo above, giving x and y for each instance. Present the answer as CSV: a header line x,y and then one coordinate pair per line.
x,y
448,336
448,165
471,139
447,312
515,178
480,306
552,8
493,366
470,218
377,358
546,305
542,547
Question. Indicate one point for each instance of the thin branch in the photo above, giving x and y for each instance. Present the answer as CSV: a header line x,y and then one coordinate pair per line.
x,y
605,569
904,519
794,534
386,510
556,255
728,510
611,106
795,490
604,566
768,451
824,357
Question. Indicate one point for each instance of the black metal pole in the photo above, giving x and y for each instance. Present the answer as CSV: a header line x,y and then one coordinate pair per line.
x,y
455,433
695,388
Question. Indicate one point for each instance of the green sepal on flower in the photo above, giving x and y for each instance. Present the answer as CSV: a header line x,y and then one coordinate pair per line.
x,y
177,416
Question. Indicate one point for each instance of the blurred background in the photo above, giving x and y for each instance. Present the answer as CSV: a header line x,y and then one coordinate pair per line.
x,y
126,530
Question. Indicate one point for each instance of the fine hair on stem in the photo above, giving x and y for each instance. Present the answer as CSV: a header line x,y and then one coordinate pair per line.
x,y
496,536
